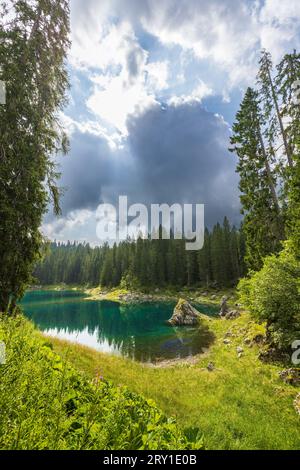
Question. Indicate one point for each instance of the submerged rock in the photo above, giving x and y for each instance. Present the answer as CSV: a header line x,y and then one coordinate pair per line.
x,y
185,314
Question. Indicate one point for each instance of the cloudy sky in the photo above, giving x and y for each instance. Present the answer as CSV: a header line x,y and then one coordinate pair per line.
x,y
155,86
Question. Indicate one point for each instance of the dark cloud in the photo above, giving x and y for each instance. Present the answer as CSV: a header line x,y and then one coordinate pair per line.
x,y
181,155
86,171
175,154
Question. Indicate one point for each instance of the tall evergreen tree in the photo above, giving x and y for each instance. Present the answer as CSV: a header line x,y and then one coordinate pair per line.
x,y
33,47
269,96
262,225
204,260
287,83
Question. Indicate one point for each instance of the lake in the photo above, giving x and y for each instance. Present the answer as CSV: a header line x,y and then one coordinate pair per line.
x,y
135,331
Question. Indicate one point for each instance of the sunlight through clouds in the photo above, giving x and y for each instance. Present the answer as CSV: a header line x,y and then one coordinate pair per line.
x,y
145,79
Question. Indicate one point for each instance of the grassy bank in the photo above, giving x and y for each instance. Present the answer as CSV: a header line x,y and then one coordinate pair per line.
x,y
242,404
46,403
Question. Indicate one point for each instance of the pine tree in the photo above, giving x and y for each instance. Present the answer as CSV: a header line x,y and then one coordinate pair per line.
x,y
204,260
33,47
268,94
263,224
287,84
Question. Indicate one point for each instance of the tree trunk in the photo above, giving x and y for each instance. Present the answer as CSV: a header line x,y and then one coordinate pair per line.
x,y
4,302
269,173
12,307
283,133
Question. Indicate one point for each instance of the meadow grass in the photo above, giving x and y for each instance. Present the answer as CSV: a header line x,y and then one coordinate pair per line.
x,y
46,404
242,404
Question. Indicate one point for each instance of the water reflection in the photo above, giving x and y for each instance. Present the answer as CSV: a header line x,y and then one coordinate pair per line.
x,y
138,331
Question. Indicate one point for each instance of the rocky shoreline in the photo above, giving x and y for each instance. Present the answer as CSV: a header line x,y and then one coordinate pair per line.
x,y
135,297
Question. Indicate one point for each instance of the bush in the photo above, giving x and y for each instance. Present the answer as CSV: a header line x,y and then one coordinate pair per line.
x,y
272,295
130,282
46,404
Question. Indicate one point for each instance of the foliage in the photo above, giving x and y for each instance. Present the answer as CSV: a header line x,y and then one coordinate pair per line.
x,y
148,263
262,223
46,404
273,295
129,282
33,46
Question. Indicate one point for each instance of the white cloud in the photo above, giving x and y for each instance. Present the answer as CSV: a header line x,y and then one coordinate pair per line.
x,y
157,75
74,220
227,35
94,128
198,94
280,26
117,66
230,33
116,97
224,31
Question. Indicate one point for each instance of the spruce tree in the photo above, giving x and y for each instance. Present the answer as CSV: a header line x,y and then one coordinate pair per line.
x,y
204,260
263,226
288,85
34,39
269,96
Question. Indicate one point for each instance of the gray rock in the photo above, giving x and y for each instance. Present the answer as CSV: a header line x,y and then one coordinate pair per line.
x,y
228,334
224,307
211,367
273,355
297,404
239,350
258,339
185,314
226,341
232,315
291,376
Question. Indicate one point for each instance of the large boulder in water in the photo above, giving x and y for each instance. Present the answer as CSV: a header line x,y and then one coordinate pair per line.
x,y
185,314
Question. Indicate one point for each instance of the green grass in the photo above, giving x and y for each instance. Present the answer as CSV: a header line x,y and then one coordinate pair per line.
x,y
241,405
46,403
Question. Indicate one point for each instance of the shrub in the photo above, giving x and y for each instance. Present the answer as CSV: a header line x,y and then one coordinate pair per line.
x,y
46,404
130,282
272,295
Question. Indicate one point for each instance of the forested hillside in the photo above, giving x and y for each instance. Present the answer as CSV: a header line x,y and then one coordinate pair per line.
x,y
148,262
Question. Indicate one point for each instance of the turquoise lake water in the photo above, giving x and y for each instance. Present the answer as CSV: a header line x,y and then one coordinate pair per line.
x,y
136,331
